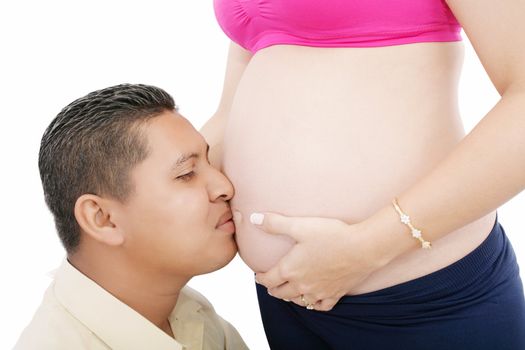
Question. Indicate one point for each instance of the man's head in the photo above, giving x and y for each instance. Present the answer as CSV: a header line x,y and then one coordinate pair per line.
x,y
111,177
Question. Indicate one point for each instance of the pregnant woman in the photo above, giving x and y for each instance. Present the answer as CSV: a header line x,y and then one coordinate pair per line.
x,y
366,212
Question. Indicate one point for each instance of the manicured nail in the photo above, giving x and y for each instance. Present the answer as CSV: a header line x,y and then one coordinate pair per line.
x,y
257,218
237,217
287,300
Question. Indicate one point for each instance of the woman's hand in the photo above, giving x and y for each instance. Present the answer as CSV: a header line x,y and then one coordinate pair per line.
x,y
328,260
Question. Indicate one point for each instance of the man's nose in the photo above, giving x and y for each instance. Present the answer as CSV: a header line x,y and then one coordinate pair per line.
x,y
220,186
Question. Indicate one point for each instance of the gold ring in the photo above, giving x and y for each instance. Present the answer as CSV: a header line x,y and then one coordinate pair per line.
x,y
307,304
304,300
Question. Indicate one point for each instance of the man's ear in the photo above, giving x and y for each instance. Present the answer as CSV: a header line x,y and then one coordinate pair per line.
x,y
93,216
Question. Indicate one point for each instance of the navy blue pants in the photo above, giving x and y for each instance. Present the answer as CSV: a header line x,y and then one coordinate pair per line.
x,y
476,303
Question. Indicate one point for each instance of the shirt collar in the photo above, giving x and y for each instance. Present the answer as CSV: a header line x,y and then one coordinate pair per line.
x,y
114,322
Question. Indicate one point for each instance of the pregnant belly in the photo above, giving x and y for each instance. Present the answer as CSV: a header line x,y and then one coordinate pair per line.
x,y
335,134
342,168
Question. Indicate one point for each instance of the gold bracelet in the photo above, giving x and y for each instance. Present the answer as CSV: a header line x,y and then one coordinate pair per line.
x,y
405,219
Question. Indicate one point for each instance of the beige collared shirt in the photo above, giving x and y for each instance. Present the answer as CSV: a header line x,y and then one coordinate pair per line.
x,y
76,313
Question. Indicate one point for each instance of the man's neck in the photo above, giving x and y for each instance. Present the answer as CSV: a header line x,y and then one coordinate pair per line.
x,y
150,293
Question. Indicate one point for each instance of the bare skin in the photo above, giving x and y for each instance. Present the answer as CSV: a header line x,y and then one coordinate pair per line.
x,y
143,250
338,133
386,119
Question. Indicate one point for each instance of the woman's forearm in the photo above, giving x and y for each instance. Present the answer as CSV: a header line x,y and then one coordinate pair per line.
x,y
485,170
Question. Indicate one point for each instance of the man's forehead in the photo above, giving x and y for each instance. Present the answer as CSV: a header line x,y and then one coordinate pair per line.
x,y
172,137
171,130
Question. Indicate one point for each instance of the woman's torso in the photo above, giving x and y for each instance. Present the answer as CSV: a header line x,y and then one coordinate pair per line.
x,y
338,132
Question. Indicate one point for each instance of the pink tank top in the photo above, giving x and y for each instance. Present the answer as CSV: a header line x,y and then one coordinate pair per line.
x,y
256,24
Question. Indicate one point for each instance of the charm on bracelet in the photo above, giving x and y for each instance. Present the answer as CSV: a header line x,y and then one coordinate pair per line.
x,y
405,219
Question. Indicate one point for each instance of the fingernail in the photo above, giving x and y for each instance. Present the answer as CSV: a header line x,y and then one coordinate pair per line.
x,y
237,216
257,218
269,292
287,300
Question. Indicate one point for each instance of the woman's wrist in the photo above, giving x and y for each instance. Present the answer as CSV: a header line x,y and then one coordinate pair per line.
x,y
386,237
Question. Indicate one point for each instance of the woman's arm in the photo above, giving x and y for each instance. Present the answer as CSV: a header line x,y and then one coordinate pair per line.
x,y
213,130
485,170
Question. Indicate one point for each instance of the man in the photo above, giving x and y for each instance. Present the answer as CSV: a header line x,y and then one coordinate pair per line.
x,y
140,211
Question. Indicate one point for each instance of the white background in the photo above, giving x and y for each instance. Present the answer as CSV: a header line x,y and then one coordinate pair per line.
x,y
52,52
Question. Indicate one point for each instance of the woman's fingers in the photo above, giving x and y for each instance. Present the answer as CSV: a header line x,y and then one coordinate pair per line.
x,y
326,304
288,293
293,227
270,279
284,291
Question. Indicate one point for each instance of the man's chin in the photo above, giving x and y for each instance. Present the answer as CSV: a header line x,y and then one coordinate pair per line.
x,y
228,258
221,262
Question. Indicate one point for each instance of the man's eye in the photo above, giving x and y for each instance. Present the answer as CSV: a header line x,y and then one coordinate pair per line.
x,y
186,177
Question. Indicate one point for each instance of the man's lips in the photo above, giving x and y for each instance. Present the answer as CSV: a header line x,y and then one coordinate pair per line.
x,y
224,218
228,227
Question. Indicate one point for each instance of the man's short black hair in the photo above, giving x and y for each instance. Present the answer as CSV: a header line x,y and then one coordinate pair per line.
x,y
91,146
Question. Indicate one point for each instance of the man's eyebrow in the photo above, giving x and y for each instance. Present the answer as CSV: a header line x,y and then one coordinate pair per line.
x,y
185,157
